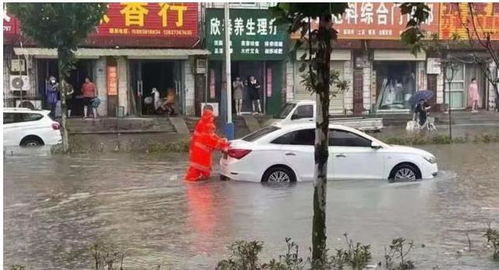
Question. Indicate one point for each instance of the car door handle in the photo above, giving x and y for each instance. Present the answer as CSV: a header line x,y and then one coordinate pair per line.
x,y
290,154
341,155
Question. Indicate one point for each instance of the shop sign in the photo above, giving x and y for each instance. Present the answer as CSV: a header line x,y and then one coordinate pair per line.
x,y
173,20
455,17
112,81
433,66
253,33
370,20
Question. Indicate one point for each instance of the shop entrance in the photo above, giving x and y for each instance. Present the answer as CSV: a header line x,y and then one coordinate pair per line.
x,y
164,76
395,85
49,67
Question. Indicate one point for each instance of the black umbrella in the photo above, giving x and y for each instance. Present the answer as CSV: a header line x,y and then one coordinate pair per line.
x,y
421,95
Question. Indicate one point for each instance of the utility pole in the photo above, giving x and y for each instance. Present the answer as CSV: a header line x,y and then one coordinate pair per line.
x,y
229,126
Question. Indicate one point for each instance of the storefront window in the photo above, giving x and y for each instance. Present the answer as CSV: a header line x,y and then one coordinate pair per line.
x,y
396,84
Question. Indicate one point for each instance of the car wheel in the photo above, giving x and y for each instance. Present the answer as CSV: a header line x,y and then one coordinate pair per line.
x,y
405,172
224,178
279,174
31,142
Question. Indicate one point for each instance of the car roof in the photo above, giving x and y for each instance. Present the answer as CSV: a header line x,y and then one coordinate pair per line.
x,y
24,110
311,125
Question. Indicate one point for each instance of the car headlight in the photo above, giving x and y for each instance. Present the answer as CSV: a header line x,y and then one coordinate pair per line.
x,y
431,159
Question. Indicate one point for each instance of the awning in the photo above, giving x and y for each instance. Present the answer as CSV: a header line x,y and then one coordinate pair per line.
x,y
398,55
94,53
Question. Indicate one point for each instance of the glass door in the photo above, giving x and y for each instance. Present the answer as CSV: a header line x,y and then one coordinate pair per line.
x,y
455,94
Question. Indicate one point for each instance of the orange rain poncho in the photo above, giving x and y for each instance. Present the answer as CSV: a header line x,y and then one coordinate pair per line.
x,y
203,142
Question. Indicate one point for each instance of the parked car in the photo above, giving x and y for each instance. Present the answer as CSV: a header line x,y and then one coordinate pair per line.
x,y
285,153
26,127
304,111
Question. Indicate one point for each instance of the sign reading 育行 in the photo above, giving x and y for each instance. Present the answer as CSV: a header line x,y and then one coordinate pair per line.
x,y
253,34
176,20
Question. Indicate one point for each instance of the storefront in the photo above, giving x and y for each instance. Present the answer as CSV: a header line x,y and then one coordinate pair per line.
x,y
258,49
398,75
137,47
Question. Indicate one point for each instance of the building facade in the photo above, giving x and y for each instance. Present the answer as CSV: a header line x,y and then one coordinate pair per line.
x,y
137,47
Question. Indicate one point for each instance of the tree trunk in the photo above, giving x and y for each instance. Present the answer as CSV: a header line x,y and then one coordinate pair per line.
x,y
63,63
321,152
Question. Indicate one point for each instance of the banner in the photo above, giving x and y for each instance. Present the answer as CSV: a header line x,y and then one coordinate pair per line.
x,y
455,17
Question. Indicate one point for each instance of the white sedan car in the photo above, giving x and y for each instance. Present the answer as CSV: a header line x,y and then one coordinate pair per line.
x,y
286,154
26,127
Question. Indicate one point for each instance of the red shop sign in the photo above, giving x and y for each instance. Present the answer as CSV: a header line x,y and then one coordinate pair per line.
x,y
176,20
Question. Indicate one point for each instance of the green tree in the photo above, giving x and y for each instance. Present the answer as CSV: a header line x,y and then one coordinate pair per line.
x,y
63,26
318,80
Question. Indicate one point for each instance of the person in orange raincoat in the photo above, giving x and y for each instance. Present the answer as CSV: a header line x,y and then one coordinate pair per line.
x,y
203,142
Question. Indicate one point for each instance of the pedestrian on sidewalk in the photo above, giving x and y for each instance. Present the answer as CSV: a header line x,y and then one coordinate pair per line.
x,y
238,87
52,94
89,93
254,94
473,95
203,142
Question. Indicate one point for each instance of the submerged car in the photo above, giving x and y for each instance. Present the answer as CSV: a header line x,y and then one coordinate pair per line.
x,y
26,127
285,153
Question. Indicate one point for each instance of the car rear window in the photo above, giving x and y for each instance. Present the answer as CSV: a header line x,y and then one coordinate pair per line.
x,y
259,133
31,117
285,111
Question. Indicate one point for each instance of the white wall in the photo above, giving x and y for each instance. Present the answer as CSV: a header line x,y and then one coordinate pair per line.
x,y
368,77
100,81
189,88
290,82
348,94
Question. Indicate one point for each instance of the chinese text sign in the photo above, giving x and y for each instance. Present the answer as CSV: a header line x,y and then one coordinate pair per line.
x,y
254,36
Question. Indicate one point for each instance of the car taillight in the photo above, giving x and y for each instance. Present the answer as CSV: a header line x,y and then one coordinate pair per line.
x,y
56,126
238,153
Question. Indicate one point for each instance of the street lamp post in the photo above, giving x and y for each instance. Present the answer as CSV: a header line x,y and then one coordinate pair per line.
x,y
229,126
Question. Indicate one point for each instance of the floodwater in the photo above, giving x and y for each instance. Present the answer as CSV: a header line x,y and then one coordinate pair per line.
x,y
55,207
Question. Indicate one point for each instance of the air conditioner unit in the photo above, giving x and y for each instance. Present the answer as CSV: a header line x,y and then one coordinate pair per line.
x,y
19,83
29,103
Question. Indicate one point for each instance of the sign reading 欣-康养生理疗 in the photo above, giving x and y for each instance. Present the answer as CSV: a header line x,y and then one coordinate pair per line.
x,y
253,34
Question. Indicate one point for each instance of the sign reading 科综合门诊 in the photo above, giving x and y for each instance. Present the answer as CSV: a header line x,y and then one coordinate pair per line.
x,y
376,21
253,33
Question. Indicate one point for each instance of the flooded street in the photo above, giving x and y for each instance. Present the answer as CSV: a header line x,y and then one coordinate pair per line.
x,y
55,207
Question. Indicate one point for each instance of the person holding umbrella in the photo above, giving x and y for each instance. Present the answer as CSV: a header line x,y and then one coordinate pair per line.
x,y
419,102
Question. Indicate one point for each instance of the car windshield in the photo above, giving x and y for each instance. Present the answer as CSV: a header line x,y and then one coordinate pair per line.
x,y
285,111
259,133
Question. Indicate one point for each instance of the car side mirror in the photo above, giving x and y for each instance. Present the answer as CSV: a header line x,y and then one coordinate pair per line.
x,y
295,116
375,145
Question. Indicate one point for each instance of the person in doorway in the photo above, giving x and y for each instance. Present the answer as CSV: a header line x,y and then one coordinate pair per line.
x,y
254,94
169,104
421,112
238,87
89,91
473,95
203,141
69,96
52,93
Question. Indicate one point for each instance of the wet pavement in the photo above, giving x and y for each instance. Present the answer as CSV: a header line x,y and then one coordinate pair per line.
x,y
55,207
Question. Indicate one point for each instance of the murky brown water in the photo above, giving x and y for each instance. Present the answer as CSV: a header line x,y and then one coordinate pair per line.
x,y
55,207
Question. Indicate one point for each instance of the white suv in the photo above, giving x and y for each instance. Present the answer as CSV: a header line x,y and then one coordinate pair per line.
x,y
26,127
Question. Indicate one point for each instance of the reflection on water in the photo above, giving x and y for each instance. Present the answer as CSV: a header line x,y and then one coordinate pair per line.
x,y
55,207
